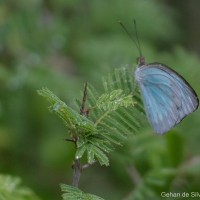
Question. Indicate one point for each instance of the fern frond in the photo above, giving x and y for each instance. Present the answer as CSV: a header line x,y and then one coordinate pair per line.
x,y
73,193
11,189
76,123
113,116
125,114
100,155
111,101
117,112
80,151
122,78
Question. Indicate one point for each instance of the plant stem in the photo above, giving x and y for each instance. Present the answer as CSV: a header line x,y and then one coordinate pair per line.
x,y
134,174
77,167
83,110
104,115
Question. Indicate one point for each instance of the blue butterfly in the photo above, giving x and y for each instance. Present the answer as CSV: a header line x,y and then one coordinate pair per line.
x,y
167,96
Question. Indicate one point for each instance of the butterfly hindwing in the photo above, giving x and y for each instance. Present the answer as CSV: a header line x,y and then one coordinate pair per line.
x,y
167,97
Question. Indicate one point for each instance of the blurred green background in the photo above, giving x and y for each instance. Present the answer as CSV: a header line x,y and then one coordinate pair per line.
x,y
59,45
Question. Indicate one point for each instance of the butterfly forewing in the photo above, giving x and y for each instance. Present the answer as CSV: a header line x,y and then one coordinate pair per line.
x,y
167,96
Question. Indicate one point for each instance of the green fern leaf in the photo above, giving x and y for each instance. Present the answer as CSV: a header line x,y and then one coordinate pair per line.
x,y
117,113
100,155
90,154
73,193
80,151
11,189
112,101
113,116
76,123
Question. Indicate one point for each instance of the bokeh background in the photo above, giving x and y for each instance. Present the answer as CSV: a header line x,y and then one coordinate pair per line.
x,y
61,44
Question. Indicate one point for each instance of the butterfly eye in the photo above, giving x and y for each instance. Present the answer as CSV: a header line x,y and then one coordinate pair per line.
x,y
141,61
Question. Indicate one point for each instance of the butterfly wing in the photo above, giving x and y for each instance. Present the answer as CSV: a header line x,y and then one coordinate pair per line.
x,y
167,96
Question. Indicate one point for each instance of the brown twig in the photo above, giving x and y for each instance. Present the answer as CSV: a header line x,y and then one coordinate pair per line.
x,y
83,110
70,140
134,174
77,167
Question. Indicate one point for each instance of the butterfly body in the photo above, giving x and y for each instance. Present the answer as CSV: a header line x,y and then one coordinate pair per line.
x,y
167,96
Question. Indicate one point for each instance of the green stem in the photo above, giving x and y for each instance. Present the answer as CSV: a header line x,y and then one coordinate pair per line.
x,y
102,116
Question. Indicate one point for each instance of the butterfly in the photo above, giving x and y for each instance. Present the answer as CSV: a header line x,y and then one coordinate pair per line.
x,y
167,97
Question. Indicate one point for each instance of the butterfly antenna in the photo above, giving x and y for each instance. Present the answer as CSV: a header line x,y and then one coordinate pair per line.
x,y
137,44
137,38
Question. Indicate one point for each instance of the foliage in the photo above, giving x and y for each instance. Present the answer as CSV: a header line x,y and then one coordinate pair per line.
x,y
154,179
11,189
157,167
59,45
111,114
73,193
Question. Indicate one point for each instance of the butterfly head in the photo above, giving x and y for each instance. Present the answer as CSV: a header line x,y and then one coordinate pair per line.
x,y
140,61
